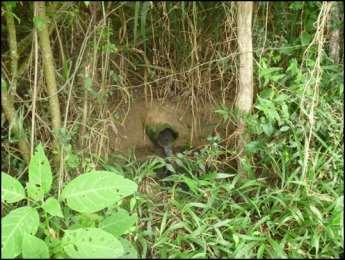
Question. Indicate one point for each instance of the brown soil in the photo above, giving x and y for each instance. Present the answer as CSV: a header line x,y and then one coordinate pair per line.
x,y
192,131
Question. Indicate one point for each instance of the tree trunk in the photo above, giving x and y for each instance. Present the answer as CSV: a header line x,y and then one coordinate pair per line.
x,y
49,69
244,101
16,126
6,93
12,43
334,40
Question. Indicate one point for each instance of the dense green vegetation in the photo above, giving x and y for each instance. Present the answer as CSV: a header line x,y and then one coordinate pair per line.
x,y
77,195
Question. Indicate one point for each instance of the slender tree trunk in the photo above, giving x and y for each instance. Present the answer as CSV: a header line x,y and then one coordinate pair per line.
x,y
90,64
12,43
6,95
15,125
335,32
85,111
49,69
244,100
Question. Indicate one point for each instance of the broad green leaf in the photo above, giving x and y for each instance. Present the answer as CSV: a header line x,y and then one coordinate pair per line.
x,y
85,221
252,147
268,128
96,190
35,192
52,206
40,174
91,243
129,251
11,189
267,93
34,247
118,223
14,225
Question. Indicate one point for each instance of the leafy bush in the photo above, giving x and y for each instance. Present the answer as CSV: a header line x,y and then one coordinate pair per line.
x,y
43,228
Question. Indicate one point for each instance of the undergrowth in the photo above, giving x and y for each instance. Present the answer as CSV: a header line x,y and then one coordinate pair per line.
x,y
218,214
193,204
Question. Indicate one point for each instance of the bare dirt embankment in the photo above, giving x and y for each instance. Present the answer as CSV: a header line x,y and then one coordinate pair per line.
x,y
130,135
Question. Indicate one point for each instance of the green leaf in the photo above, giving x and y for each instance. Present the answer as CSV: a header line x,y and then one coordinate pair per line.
x,y
34,192
192,184
246,165
97,190
285,112
52,206
86,221
72,160
252,147
224,111
305,38
284,128
222,175
132,203
278,251
260,252
296,6
267,93
11,189
14,225
34,247
293,68
170,168
277,78
270,73
91,243
316,212
268,128
129,251
118,223
40,174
